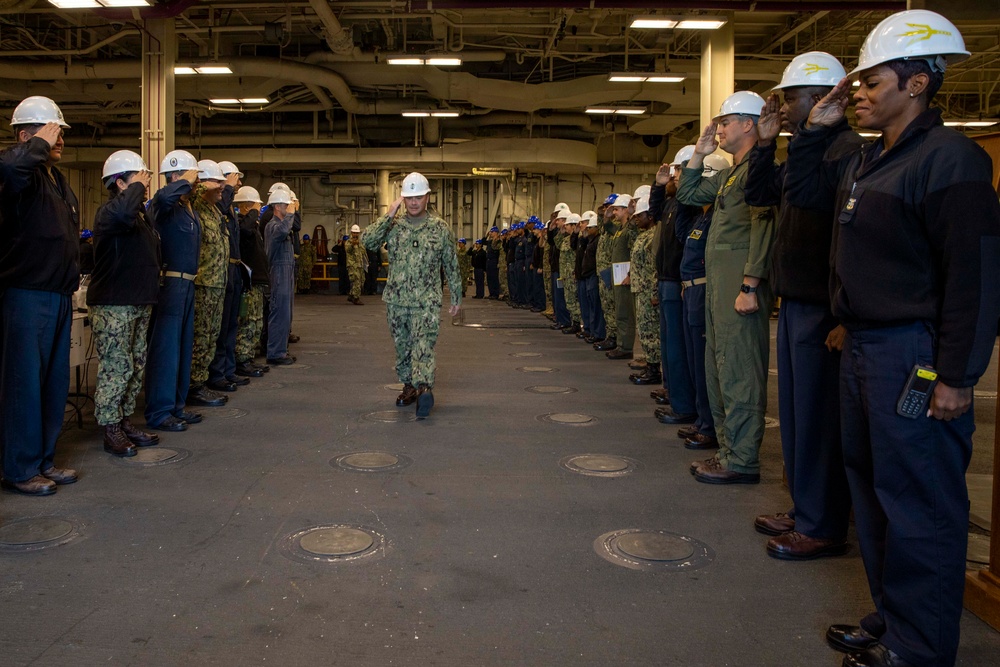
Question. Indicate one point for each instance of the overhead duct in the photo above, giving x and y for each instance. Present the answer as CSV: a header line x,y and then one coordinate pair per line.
x,y
337,38
317,185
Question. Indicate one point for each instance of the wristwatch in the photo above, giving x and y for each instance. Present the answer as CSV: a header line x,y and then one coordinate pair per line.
x,y
746,289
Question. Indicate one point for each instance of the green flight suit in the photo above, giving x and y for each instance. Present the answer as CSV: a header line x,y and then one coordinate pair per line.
x,y
621,251
737,346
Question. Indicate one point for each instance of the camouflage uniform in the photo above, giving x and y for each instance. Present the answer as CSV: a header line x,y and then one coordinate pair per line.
x,y
608,230
356,256
547,277
567,266
621,251
120,340
209,285
418,250
251,325
464,266
502,266
307,259
642,278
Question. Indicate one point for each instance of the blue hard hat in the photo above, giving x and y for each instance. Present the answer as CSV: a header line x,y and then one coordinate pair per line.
x,y
534,219
610,200
462,240
503,231
345,238
539,225
86,234
305,237
494,229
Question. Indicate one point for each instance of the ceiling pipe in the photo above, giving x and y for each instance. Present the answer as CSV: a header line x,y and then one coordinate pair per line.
x,y
361,57
73,52
318,186
647,5
337,38
16,6
165,10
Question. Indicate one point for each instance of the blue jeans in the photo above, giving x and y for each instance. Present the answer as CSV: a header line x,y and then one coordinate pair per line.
x,y
34,378
907,480
168,364
673,351
559,302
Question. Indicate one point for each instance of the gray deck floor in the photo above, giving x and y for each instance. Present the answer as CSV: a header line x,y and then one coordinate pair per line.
x,y
489,554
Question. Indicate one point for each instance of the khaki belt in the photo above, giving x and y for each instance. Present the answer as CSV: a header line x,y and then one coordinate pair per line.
x,y
235,261
178,274
692,283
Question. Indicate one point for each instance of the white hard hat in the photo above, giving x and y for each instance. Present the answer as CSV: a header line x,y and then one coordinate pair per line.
x,y
572,219
683,155
278,186
355,229
208,170
622,201
714,163
641,205
37,110
641,191
561,213
294,196
415,185
590,217
744,102
279,196
228,167
123,161
246,193
561,206
177,161
913,34
816,68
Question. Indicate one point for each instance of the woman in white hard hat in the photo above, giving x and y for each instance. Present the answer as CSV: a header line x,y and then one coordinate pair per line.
x,y
916,246
121,295
420,246
39,271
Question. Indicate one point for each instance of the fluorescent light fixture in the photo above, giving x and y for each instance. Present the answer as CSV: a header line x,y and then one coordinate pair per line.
x,y
212,69
653,23
446,114
953,123
224,100
870,135
980,123
434,61
124,3
639,77
624,111
74,4
184,69
428,113
416,114
704,23
254,100
784,134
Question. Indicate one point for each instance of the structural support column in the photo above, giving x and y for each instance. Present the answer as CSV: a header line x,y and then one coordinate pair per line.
x,y
159,50
982,587
382,192
718,69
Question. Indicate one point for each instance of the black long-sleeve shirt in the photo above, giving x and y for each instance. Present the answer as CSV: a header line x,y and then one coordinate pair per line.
x,y
588,267
917,236
800,259
126,252
667,250
252,250
39,222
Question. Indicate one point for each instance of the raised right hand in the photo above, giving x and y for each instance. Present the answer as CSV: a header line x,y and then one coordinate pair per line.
x,y
191,176
50,133
662,175
832,108
395,207
769,125
707,142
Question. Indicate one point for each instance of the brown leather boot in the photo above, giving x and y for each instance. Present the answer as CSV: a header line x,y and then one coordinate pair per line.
x,y
138,437
115,441
407,397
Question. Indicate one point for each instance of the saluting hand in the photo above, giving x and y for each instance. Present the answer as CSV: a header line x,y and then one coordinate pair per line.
x,y
708,142
140,177
769,125
662,175
191,176
50,133
832,108
395,207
